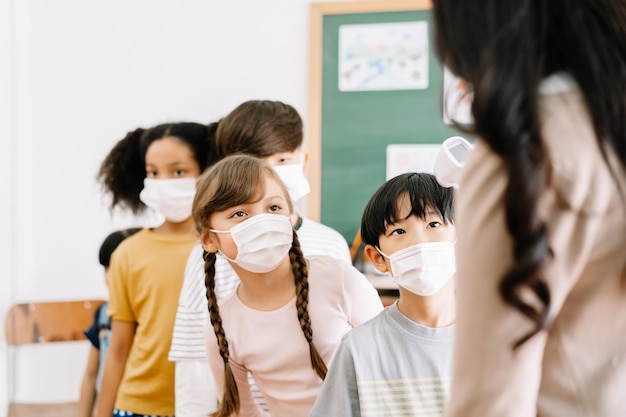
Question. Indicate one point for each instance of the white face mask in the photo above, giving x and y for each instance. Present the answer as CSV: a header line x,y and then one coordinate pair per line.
x,y
172,198
424,268
292,175
262,242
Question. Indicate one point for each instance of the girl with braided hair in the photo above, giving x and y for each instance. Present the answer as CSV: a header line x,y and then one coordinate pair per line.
x,y
271,131
288,314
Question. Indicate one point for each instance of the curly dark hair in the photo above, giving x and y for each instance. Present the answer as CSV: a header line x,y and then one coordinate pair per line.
x,y
123,170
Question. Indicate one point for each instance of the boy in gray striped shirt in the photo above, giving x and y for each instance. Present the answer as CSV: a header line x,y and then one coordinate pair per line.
x,y
400,362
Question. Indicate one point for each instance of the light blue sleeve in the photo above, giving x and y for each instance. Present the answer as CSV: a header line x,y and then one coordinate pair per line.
x,y
339,395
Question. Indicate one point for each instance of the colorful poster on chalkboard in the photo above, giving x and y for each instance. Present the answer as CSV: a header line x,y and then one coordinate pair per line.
x,y
383,56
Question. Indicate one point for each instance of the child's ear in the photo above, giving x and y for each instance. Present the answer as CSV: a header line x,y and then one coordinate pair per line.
x,y
208,242
376,258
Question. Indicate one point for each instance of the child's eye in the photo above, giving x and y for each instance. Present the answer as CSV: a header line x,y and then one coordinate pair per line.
x,y
433,225
238,214
397,232
151,174
179,172
274,207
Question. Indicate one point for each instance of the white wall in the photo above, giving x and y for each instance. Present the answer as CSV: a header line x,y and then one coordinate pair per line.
x,y
7,187
76,75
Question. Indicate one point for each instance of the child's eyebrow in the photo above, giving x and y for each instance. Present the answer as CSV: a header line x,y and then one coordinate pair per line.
x,y
274,197
169,164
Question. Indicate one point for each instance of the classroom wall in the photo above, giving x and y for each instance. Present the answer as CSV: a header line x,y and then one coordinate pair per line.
x,y
75,76
6,187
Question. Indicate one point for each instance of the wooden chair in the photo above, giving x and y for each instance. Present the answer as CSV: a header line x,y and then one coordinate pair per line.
x,y
47,353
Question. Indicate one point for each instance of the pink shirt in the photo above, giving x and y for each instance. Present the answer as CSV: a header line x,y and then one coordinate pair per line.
x,y
271,345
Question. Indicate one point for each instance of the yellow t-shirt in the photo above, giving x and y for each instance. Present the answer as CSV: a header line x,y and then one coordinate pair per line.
x,y
146,277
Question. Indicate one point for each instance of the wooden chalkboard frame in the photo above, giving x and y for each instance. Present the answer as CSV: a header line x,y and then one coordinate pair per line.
x,y
314,126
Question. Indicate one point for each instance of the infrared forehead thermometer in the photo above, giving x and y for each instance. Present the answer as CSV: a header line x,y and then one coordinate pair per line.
x,y
450,161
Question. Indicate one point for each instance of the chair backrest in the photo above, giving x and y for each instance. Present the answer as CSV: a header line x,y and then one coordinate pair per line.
x,y
47,353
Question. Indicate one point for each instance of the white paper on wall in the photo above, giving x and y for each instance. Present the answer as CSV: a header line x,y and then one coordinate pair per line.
x,y
383,56
410,158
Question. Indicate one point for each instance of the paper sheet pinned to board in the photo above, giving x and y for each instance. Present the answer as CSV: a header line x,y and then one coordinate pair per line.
x,y
383,56
410,158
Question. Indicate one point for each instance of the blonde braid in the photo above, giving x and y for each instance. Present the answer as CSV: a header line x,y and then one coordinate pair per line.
x,y
230,399
301,274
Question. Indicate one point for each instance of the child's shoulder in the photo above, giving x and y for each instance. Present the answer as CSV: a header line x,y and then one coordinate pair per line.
x,y
147,240
313,227
332,272
229,300
372,329
326,262
133,241
316,238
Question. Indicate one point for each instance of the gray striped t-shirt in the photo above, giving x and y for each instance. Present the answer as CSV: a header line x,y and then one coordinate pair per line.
x,y
389,366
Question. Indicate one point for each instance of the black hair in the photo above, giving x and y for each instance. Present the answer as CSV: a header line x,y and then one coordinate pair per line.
x,y
504,49
424,193
111,242
124,169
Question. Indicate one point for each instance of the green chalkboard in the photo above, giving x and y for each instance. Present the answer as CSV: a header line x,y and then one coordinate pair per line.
x,y
357,126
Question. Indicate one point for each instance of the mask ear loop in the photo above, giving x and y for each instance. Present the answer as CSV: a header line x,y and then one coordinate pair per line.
x,y
381,252
222,253
385,256
219,251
